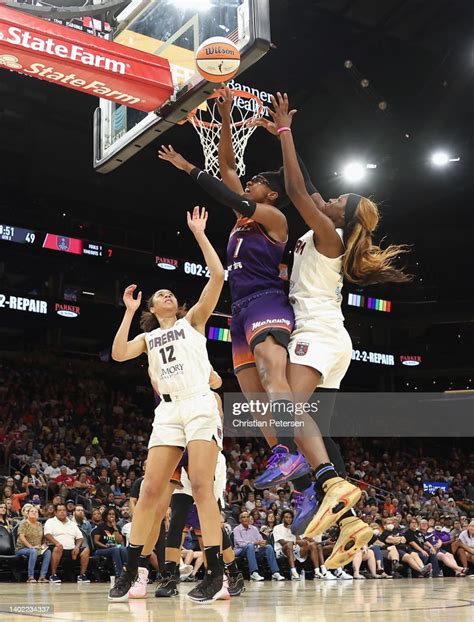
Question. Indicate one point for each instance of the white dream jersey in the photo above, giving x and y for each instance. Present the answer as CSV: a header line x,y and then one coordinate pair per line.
x,y
178,357
315,284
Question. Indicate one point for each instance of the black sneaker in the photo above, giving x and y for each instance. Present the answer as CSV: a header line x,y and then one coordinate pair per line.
x,y
166,587
426,570
82,578
209,589
236,584
122,586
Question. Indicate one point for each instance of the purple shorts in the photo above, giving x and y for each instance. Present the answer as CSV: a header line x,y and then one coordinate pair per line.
x,y
254,318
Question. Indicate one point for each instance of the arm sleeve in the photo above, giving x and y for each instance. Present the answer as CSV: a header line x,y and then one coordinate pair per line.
x,y
219,191
135,491
307,179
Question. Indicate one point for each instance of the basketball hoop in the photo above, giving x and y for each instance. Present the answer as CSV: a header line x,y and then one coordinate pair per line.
x,y
246,108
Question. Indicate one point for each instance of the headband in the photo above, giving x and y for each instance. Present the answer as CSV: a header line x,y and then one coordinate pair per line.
x,y
351,206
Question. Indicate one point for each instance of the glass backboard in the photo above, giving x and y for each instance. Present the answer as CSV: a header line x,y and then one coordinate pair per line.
x,y
174,29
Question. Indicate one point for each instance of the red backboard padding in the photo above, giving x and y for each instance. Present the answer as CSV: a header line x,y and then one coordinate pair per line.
x,y
76,60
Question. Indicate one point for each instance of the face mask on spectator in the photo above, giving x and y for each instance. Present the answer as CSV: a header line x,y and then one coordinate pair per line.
x,y
437,527
389,527
376,532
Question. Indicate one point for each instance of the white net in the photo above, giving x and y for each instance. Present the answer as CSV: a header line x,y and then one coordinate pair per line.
x,y
246,108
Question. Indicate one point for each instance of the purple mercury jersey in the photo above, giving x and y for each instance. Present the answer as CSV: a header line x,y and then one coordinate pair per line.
x,y
253,260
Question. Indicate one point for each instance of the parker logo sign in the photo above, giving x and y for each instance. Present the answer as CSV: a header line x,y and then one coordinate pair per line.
x,y
166,263
410,361
76,60
67,310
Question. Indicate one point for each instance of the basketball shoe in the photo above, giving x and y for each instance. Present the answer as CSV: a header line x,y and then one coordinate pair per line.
x,y
353,535
282,467
122,586
139,588
211,588
339,497
305,508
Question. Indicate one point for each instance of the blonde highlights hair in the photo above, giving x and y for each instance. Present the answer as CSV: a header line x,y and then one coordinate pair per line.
x,y
365,263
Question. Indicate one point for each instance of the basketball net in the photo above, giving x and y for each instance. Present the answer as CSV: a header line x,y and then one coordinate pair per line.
x,y
246,108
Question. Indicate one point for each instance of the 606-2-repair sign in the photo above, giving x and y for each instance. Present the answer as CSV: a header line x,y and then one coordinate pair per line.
x,y
76,60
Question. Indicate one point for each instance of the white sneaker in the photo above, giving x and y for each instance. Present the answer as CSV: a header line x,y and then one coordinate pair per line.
x,y
295,576
185,571
138,589
256,577
318,574
328,576
340,573
276,576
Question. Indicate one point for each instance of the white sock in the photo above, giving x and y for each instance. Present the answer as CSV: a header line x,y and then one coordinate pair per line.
x,y
323,569
294,572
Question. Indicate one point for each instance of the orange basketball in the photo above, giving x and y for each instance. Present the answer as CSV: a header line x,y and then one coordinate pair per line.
x,y
217,59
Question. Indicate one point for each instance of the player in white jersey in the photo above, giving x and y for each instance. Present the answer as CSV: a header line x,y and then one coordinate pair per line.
x,y
339,245
185,418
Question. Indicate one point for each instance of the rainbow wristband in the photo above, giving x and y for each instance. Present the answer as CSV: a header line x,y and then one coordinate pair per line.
x,y
283,129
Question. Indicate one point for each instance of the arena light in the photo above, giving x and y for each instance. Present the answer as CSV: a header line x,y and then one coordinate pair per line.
x,y
354,171
440,158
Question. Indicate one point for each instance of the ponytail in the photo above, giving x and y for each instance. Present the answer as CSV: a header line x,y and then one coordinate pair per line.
x,y
365,263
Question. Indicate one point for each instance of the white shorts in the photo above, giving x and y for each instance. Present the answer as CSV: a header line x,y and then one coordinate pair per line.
x,y
220,480
181,421
296,553
325,347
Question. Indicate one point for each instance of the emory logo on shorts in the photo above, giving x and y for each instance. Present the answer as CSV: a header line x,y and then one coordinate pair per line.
x,y
301,348
219,432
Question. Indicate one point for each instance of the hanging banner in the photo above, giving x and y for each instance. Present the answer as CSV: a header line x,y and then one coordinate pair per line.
x,y
75,60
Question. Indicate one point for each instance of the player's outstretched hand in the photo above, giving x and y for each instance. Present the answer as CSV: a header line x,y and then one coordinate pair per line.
x,y
197,221
224,101
130,302
170,155
280,115
266,123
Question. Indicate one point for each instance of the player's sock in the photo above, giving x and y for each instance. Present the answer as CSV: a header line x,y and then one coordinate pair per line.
x,y
213,558
349,514
232,567
171,568
144,562
302,483
324,472
133,556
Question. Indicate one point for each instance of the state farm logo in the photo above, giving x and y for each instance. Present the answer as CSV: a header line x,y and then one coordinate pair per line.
x,y
25,39
67,310
9,61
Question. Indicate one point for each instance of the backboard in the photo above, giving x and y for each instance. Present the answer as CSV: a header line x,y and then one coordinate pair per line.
x,y
174,29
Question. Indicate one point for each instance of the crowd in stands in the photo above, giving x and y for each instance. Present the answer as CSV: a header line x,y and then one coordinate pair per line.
x,y
74,444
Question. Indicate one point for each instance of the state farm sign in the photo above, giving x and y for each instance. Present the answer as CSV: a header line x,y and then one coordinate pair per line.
x,y
70,58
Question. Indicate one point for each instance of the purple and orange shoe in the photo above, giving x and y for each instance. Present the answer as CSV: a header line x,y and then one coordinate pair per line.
x,y
306,507
282,467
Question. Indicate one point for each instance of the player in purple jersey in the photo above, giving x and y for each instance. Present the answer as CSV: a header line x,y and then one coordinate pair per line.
x,y
262,318
340,241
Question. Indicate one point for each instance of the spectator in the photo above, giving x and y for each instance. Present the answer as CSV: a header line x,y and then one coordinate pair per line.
x,y
70,505
30,542
250,503
103,488
434,544
82,485
88,459
5,521
64,478
128,461
15,498
108,540
36,482
400,551
67,539
96,517
10,511
270,523
79,517
249,542
53,470
365,554
293,548
464,547
125,517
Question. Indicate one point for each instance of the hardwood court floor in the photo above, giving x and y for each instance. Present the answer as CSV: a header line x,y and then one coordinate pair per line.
x,y
433,600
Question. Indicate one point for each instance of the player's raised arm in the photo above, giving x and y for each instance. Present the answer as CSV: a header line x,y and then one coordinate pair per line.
x,y
226,152
201,311
322,226
122,349
269,216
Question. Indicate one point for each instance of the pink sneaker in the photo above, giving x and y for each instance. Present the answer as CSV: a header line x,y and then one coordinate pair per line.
x,y
139,588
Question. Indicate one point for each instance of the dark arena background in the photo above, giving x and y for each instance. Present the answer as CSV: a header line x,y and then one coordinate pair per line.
x,y
384,99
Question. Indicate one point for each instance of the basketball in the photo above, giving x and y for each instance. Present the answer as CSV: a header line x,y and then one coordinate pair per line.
x,y
217,59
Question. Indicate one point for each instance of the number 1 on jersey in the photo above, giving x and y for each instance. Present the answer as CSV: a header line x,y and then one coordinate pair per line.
x,y
237,246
